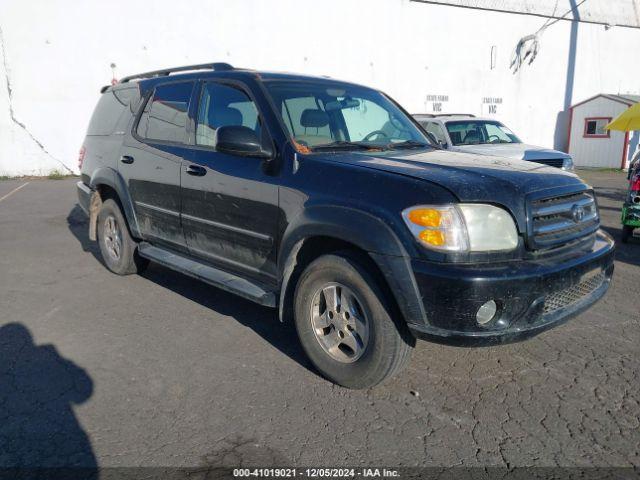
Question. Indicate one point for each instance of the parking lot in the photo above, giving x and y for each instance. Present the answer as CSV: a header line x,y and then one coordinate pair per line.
x,y
162,370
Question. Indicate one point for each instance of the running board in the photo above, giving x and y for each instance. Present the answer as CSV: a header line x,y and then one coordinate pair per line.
x,y
213,276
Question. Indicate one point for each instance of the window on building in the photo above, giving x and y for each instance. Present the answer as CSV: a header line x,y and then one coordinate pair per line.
x,y
165,115
594,127
223,106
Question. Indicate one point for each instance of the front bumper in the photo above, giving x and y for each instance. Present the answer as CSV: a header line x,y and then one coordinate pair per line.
x,y
532,296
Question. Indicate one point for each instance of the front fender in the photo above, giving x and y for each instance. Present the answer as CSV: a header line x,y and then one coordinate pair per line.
x,y
344,223
368,233
112,178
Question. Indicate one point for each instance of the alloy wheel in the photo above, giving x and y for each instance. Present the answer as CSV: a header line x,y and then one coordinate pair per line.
x,y
339,322
112,237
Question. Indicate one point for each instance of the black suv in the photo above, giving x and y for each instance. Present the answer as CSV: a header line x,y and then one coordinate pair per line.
x,y
326,200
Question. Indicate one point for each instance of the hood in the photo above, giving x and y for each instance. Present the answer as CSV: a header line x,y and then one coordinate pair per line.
x,y
471,178
512,150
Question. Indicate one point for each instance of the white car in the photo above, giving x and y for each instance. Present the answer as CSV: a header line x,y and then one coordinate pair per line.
x,y
484,136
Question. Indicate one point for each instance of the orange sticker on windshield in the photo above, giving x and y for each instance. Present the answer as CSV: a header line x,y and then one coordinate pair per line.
x,y
301,148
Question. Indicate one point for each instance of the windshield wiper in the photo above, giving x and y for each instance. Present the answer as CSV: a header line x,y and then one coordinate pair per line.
x,y
344,145
408,144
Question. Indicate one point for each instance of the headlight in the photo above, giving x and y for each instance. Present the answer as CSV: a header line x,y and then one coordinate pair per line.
x,y
463,227
567,164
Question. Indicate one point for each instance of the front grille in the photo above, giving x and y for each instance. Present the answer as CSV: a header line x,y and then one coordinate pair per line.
x,y
555,221
569,296
552,162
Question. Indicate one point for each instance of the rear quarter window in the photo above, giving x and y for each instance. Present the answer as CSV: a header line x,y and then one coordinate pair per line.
x,y
113,112
164,117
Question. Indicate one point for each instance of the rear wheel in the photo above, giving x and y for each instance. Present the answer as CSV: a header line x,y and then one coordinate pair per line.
x,y
118,249
345,323
627,232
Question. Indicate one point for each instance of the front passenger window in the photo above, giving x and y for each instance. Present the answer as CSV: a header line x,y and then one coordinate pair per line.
x,y
222,106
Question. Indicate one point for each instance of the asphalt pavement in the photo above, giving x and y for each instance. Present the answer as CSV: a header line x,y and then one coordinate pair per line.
x,y
162,370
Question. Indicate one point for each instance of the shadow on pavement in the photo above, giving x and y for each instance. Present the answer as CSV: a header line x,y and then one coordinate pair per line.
x,y
78,224
40,436
625,252
614,194
262,320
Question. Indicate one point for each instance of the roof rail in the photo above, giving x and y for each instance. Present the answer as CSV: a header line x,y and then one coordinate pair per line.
x,y
218,66
471,115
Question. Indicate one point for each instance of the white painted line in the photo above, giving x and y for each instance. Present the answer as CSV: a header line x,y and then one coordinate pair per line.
x,y
14,191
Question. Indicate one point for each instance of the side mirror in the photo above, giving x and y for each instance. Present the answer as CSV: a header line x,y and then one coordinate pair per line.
x,y
443,144
241,141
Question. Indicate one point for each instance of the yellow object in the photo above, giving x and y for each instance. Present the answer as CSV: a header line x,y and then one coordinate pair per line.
x,y
627,121
425,217
433,237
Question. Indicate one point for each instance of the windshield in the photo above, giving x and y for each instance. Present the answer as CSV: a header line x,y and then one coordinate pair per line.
x,y
324,116
475,132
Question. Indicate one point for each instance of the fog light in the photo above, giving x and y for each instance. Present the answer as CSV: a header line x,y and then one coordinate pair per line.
x,y
486,312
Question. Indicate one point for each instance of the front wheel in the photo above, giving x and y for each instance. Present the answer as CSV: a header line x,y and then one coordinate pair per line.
x,y
345,324
627,232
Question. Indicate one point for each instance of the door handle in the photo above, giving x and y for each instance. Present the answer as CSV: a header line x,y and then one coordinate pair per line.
x,y
126,159
196,170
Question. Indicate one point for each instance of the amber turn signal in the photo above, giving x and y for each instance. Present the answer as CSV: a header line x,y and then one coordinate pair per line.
x,y
425,217
433,237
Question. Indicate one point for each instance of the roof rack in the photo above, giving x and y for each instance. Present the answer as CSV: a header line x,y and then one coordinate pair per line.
x,y
456,115
218,66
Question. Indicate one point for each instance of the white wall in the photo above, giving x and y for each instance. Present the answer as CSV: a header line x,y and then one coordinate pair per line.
x,y
58,52
596,152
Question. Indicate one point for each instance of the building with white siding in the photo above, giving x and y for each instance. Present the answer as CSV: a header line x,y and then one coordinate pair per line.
x,y
590,144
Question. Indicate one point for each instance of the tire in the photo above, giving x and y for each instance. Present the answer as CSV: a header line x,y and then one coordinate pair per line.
x,y
119,251
328,330
627,232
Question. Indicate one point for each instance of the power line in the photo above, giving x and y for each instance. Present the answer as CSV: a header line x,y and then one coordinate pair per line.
x,y
632,21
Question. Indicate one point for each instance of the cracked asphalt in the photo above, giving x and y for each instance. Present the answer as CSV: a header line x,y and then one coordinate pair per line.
x,y
161,370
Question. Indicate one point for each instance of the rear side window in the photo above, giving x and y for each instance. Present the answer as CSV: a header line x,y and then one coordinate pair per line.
x,y
165,115
112,111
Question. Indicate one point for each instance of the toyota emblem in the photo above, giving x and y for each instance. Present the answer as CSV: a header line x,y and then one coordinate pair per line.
x,y
577,212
